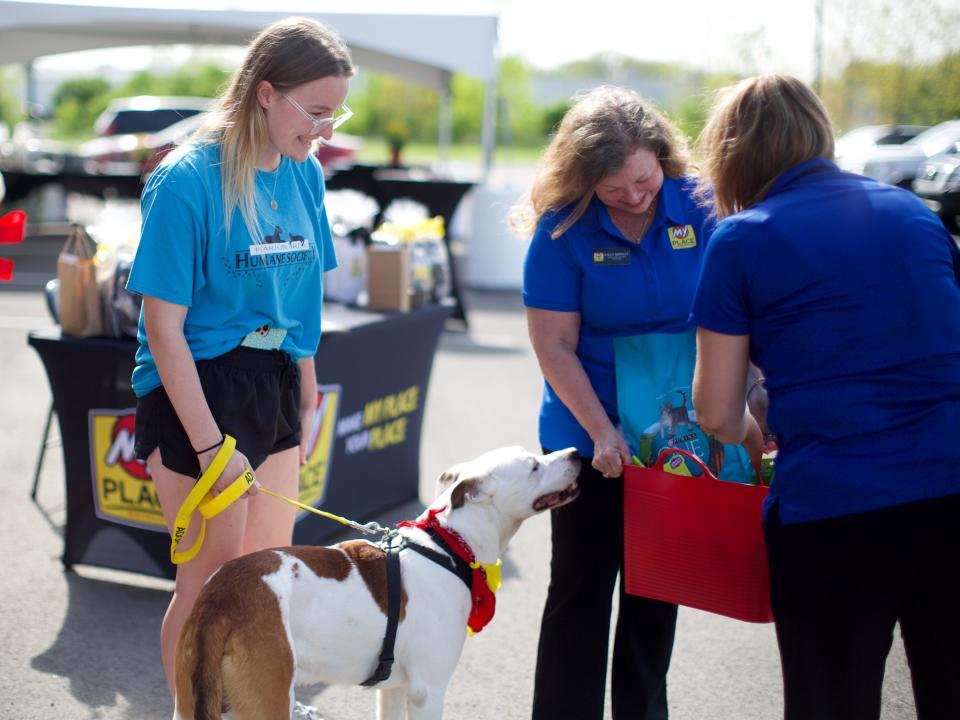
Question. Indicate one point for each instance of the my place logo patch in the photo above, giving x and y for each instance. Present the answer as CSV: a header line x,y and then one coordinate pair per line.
x,y
122,487
682,237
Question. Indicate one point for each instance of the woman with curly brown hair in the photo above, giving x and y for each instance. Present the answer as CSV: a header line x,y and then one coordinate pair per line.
x,y
616,249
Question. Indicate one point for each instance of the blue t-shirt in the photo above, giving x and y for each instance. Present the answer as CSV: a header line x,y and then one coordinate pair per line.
x,y
619,287
849,292
232,287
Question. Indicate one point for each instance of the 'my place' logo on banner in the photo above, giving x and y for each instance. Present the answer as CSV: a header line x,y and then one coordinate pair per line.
x,y
124,491
122,487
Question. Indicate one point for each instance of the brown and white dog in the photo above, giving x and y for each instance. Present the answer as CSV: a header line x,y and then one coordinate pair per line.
x,y
278,618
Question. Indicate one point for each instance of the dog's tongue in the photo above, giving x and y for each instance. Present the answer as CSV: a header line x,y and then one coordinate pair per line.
x,y
545,501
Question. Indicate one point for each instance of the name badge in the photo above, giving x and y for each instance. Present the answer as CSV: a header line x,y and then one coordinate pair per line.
x,y
682,237
611,256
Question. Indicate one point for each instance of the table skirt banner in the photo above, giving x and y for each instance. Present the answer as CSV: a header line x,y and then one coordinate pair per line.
x,y
363,453
695,541
123,490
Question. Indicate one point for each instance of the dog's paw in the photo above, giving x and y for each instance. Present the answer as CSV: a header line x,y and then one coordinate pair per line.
x,y
305,712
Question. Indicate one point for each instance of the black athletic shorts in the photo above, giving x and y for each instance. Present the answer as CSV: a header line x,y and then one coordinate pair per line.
x,y
254,396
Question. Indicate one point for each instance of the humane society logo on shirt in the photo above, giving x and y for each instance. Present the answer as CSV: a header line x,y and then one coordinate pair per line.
x,y
275,251
273,244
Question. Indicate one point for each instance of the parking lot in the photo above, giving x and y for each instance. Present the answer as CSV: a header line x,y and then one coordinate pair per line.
x,y
84,644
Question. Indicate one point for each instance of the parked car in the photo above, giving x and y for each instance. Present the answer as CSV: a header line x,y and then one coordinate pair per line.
x,y
338,151
27,151
852,148
128,132
899,164
147,114
938,185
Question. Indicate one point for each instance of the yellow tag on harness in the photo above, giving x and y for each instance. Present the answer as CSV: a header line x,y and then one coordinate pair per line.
x,y
209,506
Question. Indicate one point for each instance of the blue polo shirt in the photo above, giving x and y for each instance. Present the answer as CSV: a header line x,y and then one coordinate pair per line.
x,y
619,287
848,289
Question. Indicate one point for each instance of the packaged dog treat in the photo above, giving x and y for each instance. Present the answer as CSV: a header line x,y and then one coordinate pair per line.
x,y
654,377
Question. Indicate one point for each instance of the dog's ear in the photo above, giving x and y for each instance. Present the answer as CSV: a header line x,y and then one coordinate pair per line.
x,y
471,488
447,478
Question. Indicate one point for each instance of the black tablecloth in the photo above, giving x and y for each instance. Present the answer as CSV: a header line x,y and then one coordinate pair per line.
x,y
373,369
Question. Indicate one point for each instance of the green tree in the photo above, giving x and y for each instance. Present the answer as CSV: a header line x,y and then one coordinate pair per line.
x,y
76,104
466,95
10,104
552,115
520,121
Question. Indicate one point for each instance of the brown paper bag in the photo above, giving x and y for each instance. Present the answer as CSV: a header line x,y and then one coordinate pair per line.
x,y
81,314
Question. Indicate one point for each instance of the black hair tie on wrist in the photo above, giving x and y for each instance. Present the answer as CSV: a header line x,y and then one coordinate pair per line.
x,y
212,447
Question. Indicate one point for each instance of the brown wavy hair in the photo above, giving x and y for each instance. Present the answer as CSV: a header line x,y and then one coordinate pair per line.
x,y
595,138
756,130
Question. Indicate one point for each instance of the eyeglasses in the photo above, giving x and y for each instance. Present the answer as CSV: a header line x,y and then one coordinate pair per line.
x,y
339,117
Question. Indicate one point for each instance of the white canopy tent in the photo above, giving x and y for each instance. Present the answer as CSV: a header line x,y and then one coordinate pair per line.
x,y
424,48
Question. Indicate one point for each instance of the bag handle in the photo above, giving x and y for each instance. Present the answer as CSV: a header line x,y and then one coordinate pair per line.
x,y
79,243
667,452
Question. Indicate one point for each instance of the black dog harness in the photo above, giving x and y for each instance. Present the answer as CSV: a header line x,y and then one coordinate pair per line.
x,y
392,545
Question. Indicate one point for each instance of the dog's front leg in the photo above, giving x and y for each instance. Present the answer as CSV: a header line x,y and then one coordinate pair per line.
x,y
426,705
391,703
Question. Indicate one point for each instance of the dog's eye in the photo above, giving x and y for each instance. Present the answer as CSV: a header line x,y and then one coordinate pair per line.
x,y
536,466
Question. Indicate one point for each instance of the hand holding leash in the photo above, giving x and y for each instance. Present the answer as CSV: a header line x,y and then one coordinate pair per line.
x,y
236,466
200,497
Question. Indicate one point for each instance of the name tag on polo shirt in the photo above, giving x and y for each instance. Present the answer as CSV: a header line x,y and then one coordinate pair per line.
x,y
682,237
611,256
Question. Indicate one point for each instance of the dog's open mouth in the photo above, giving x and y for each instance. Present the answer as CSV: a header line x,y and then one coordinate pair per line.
x,y
555,500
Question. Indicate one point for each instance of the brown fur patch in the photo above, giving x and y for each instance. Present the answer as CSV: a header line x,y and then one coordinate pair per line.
x,y
459,495
323,561
447,477
371,562
233,650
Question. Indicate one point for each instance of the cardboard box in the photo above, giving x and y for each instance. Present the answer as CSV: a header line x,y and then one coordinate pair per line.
x,y
388,278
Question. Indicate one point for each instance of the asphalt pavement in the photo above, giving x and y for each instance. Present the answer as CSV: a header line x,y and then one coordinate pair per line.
x,y
85,644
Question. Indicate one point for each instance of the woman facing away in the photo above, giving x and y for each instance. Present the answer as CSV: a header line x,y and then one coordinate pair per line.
x,y
234,244
846,293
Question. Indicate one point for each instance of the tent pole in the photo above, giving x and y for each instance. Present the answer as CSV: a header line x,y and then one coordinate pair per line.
x,y
489,126
445,124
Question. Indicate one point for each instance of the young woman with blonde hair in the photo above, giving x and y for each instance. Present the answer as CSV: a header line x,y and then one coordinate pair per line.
x,y
846,293
234,245
616,246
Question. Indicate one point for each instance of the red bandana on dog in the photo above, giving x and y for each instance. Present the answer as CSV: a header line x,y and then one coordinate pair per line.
x,y
484,601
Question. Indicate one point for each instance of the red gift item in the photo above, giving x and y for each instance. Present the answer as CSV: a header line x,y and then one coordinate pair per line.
x,y
695,541
13,227
6,270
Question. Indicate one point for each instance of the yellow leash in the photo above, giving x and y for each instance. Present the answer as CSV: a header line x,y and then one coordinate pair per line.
x,y
209,506
323,513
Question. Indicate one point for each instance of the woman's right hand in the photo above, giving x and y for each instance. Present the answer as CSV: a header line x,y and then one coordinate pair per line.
x,y
236,466
610,453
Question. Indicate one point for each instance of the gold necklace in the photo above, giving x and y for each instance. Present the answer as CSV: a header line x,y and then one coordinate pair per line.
x,y
634,227
273,195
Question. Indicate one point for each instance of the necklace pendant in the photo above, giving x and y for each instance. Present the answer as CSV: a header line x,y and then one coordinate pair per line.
x,y
273,205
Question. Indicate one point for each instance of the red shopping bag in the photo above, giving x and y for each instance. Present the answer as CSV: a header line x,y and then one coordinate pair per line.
x,y
13,225
695,541
12,229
